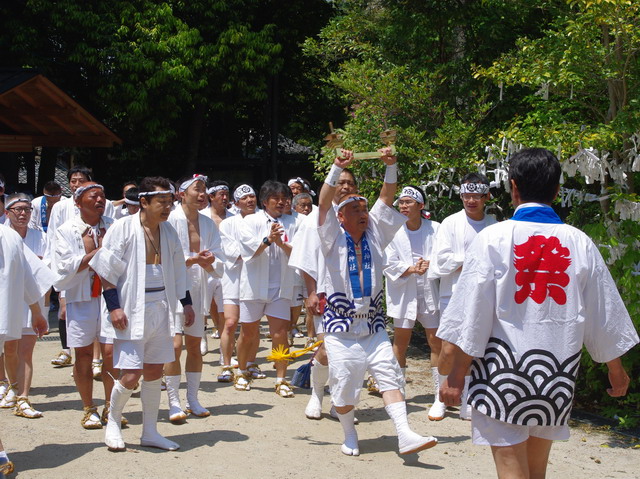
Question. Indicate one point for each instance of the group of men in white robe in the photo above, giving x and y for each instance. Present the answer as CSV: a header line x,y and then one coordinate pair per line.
x,y
157,271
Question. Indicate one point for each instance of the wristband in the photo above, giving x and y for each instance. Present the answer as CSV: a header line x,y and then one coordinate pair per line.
x,y
186,301
333,176
111,299
391,174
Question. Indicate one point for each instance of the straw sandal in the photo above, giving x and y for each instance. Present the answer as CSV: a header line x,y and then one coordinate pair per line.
x,y
91,418
284,390
25,409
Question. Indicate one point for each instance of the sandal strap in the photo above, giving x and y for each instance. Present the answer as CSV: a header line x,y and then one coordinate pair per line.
x,y
6,468
288,389
24,405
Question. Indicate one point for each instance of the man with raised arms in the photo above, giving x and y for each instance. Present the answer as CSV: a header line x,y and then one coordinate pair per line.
x,y
76,242
143,271
200,242
353,244
245,200
532,292
306,256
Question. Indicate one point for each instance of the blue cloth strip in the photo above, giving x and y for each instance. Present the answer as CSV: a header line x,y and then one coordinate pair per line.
x,y
537,214
352,260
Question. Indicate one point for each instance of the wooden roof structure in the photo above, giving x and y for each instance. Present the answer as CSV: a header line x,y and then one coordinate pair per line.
x,y
35,112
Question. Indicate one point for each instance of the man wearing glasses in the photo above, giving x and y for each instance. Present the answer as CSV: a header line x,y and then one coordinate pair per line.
x,y
452,241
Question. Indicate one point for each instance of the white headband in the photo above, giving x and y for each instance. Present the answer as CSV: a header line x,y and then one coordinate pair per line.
x,y
411,192
156,192
53,196
191,181
304,184
131,202
214,189
351,199
242,191
16,200
82,189
478,188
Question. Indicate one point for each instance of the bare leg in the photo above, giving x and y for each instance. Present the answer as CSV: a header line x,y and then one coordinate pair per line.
x,y
248,342
83,374
401,338
109,373
26,346
174,368
228,335
278,329
435,344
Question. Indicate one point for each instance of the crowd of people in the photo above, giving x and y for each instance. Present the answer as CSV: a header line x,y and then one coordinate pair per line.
x,y
506,307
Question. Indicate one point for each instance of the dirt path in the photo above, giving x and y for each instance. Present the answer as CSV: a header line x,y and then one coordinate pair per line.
x,y
256,433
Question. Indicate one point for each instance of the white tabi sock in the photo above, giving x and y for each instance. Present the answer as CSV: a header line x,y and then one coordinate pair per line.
x,y
438,408
193,386
465,409
173,394
319,377
119,397
150,398
350,445
408,441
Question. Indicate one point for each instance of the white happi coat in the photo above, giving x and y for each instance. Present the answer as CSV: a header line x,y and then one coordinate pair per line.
x,y
254,278
229,235
209,240
122,261
24,279
402,293
341,308
36,214
63,211
67,256
35,241
448,252
530,295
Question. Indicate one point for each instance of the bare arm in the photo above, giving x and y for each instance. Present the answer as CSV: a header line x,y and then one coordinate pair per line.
x,y
451,390
618,378
388,190
328,190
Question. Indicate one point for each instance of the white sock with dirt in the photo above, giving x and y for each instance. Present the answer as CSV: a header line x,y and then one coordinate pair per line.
x,y
173,394
319,377
407,439
465,409
193,386
150,398
119,397
438,408
350,445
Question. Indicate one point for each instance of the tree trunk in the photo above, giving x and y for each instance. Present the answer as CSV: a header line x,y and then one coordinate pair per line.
x,y
195,133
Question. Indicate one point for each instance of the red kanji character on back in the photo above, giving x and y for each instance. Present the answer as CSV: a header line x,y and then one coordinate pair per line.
x,y
541,263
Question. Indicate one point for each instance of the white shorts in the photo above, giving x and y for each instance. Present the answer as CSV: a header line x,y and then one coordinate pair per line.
x,y
298,298
351,356
196,329
3,338
427,320
156,347
233,302
487,431
28,332
252,311
83,324
216,284
317,324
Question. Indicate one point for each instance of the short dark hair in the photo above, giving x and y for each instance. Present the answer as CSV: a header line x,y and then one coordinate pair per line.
x,y
353,176
132,194
475,177
79,169
217,183
272,188
52,187
150,183
536,173
130,182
